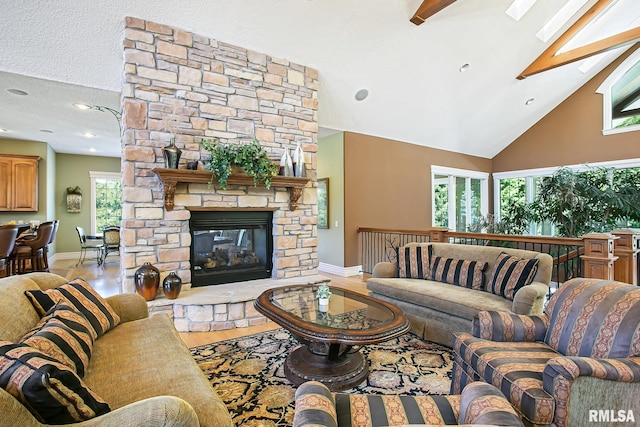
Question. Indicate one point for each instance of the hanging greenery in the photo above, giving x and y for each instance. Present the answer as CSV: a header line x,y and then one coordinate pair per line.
x,y
74,190
251,157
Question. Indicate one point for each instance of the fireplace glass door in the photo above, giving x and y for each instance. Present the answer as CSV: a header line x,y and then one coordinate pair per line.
x,y
230,246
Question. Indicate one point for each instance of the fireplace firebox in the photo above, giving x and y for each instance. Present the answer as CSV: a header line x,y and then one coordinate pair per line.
x,y
230,246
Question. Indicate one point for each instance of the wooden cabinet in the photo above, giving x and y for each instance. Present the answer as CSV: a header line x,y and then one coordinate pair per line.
x,y
18,183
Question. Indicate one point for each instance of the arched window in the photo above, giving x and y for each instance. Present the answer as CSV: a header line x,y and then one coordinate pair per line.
x,y
621,97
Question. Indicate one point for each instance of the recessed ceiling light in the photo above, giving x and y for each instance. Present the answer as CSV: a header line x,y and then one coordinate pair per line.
x,y
3,130
93,150
17,92
362,94
46,131
530,101
88,135
464,67
80,106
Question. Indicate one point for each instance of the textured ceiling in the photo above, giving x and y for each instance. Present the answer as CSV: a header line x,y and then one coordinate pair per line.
x,y
73,52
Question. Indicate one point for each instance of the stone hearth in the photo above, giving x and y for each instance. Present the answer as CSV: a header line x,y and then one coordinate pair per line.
x,y
221,307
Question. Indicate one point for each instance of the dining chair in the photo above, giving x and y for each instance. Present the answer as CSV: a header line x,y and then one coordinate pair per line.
x,y
111,237
8,234
88,242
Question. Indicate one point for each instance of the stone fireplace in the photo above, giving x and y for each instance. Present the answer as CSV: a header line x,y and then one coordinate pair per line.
x,y
185,86
230,246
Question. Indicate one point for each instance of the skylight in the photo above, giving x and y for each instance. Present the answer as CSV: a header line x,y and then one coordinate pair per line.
x,y
619,16
592,61
560,19
519,7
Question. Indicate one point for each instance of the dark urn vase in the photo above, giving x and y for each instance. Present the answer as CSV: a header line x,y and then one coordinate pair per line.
x,y
171,155
147,280
172,285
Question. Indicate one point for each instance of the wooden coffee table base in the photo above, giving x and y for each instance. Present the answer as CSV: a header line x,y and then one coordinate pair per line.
x,y
331,340
343,372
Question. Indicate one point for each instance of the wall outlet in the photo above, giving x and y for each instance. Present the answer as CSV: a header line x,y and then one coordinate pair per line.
x,y
336,223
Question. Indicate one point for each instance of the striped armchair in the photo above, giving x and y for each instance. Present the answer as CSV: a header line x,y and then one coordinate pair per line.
x,y
480,403
579,362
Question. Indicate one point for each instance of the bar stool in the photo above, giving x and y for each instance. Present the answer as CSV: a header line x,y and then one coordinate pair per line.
x,y
45,257
8,234
31,249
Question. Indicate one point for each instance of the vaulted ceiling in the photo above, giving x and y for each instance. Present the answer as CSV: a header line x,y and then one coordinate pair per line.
x,y
449,83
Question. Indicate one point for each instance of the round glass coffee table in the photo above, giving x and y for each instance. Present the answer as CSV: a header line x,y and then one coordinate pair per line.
x,y
331,337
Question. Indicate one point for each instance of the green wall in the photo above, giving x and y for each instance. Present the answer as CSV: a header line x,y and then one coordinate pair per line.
x,y
74,170
56,172
331,165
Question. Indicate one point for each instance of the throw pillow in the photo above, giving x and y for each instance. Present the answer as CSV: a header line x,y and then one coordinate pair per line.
x,y
510,273
81,296
413,262
53,393
460,272
64,334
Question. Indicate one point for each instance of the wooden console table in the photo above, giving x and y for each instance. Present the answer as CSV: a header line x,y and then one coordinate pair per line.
x,y
171,177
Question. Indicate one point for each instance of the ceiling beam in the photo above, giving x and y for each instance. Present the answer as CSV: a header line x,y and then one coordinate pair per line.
x,y
549,62
429,8
550,59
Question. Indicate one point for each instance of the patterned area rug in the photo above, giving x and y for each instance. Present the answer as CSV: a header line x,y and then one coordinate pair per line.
x,y
247,373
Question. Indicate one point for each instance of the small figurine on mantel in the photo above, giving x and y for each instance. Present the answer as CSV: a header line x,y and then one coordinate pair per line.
x,y
286,164
299,168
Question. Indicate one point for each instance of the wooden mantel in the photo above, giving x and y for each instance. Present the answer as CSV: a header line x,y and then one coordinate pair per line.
x,y
171,177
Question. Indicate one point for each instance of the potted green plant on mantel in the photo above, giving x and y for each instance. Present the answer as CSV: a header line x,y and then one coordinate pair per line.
x,y
227,159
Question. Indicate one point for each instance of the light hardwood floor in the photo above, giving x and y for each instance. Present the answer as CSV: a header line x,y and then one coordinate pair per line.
x,y
106,281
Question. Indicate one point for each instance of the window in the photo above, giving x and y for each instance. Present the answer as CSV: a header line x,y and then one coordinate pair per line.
x,y
621,97
519,187
458,197
106,200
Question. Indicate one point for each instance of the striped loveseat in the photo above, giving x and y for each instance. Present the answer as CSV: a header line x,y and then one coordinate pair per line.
x,y
575,365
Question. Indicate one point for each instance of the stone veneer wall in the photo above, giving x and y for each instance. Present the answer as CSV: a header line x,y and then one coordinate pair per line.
x,y
191,87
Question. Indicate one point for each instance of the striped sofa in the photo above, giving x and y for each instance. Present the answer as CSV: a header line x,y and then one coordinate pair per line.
x,y
137,372
479,404
568,367
444,285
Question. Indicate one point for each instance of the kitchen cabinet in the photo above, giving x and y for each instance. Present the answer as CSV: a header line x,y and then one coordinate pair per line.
x,y
18,183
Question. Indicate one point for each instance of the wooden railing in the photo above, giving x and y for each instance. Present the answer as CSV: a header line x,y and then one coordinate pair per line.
x,y
379,245
572,257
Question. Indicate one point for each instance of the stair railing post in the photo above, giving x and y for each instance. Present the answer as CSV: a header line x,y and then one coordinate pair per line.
x,y
626,249
598,258
438,234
